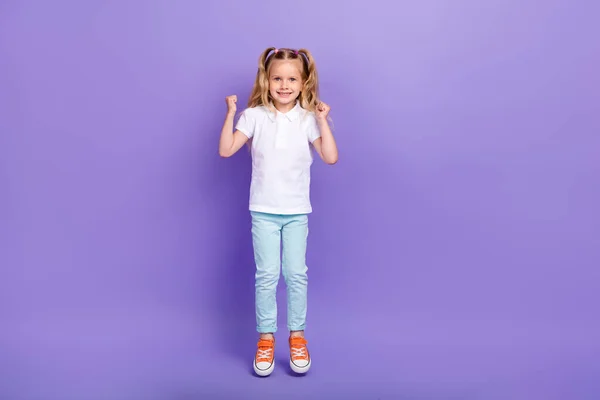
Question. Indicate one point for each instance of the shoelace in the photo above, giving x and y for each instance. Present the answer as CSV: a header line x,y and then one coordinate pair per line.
x,y
265,351
264,354
298,352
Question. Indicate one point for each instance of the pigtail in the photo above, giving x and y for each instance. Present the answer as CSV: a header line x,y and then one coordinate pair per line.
x,y
309,98
260,90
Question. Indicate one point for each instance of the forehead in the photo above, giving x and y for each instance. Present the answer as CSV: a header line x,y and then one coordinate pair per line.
x,y
286,67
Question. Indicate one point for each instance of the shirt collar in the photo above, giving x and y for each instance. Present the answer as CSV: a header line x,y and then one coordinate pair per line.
x,y
291,115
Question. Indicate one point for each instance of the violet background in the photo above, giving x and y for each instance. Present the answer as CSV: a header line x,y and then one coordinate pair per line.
x,y
454,249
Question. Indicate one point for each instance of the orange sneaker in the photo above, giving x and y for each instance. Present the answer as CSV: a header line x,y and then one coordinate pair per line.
x,y
299,355
264,359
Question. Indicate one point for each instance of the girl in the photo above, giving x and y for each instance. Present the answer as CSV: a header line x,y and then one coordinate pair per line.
x,y
283,119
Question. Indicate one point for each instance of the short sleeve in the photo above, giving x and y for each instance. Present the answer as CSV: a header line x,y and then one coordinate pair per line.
x,y
313,129
246,124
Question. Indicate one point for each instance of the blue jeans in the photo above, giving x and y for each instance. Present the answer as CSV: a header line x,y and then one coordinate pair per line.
x,y
269,232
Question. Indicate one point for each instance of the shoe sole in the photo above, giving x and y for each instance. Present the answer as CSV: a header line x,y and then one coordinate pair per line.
x,y
300,370
263,372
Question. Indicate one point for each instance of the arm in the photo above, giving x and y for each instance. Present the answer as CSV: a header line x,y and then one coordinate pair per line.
x,y
230,142
325,145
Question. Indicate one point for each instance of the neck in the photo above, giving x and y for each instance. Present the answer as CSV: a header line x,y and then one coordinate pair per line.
x,y
284,107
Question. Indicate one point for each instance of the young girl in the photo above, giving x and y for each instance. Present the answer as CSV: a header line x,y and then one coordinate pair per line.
x,y
284,117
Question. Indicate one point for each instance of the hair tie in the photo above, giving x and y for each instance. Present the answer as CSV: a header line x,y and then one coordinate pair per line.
x,y
296,52
276,50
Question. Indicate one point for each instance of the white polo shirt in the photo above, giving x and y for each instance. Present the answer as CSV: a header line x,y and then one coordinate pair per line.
x,y
281,158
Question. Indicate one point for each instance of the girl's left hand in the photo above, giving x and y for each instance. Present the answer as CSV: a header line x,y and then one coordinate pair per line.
x,y
322,111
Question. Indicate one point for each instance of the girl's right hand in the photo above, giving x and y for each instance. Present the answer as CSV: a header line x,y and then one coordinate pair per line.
x,y
231,104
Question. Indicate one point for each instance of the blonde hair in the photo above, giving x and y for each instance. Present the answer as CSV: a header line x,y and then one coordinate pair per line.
x,y
309,94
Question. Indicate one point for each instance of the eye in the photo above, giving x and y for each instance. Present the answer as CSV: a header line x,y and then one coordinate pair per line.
x,y
293,79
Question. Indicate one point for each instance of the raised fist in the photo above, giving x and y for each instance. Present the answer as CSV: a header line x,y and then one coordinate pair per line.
x,y
231,103
322,110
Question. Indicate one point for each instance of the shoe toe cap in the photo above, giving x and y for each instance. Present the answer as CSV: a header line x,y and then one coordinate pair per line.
x,y
263,365
300,363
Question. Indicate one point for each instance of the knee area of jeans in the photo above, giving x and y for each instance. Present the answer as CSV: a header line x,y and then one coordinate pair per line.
x,y
295,269
267,277
295,276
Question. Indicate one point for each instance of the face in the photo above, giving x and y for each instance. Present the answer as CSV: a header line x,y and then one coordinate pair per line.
x,y
285,83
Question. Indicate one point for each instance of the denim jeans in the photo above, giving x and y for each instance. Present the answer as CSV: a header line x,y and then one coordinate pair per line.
x,y
269,232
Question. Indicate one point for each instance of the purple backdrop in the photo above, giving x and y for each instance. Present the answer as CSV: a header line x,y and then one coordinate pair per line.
x,y
454,249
